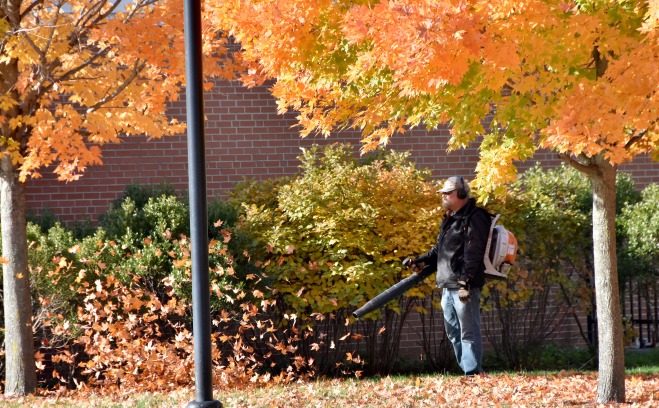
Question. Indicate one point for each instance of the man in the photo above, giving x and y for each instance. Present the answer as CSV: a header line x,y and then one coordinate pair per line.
x,y
458,256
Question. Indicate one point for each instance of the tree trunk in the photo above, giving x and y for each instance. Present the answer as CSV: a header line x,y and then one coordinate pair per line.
x,y
611,385
20,373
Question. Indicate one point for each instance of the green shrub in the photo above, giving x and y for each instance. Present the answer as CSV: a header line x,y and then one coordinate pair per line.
x,y
140,193
166,213
262,193
82,228
99,286
45,218
103,306
340,231
561,357
227,214
126,213
640,225
337,235
49,253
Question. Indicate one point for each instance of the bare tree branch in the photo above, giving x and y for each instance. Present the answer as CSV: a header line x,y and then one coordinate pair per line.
x,y
636,138
68,74
139,6
583,164
31,7
93,16
138,66
43,52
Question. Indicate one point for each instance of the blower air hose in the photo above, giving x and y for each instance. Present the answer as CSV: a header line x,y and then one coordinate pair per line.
x,y
394,291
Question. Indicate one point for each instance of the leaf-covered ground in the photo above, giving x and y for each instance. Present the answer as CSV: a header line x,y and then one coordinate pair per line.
x,y
564,389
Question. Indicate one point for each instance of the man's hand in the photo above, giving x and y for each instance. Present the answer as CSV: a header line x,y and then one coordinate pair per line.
x,y
417,268
413,267
463,292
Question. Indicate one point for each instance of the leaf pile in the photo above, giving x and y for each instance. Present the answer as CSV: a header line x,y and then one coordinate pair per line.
x,y
503,390
563,389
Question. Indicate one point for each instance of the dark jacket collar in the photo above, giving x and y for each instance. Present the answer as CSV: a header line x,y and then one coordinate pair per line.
x,y
464,211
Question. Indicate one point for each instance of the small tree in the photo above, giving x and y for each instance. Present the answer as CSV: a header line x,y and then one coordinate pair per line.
x,y
578,77
74,75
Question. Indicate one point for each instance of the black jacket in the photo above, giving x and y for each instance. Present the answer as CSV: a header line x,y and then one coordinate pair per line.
x,y
459,250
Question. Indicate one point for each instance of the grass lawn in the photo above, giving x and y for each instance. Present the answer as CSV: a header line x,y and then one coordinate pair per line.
x,y
642,361
530,389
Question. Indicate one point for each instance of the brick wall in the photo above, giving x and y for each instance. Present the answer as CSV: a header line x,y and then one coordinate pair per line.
x,y
245,137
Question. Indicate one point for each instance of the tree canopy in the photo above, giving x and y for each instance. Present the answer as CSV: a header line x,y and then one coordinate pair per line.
x,y
76,74
579,77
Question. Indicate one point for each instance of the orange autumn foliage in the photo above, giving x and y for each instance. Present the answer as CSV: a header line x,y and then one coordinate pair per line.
x,y
78,74
578,77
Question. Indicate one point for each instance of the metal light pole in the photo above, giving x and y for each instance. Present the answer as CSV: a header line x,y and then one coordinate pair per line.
x,y
201,321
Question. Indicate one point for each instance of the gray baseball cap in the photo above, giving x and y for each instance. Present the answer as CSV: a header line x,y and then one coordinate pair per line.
x,y
454,183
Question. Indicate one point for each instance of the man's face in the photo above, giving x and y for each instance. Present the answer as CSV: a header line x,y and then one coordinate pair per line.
x,y
449,200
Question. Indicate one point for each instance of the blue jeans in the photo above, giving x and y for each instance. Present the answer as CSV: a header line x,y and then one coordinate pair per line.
x,y
462,322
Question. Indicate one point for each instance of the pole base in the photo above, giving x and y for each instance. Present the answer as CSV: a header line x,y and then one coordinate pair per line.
x,y
205,404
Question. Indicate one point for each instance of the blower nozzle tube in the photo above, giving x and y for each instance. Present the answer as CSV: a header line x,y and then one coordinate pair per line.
x,y
394,291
